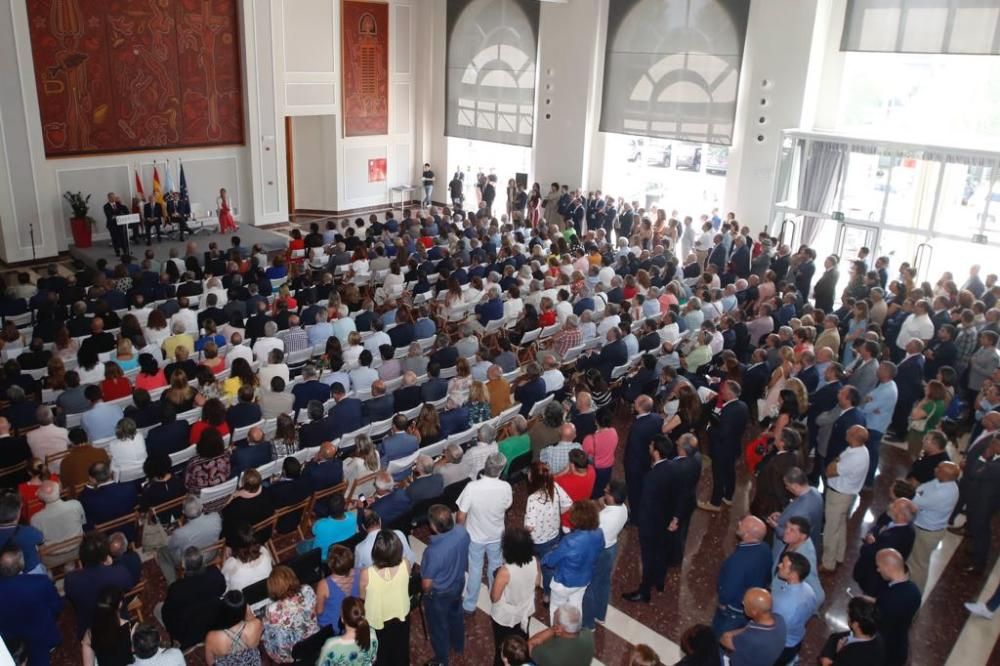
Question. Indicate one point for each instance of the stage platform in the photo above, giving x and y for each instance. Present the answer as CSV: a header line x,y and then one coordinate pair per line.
x,y
249,236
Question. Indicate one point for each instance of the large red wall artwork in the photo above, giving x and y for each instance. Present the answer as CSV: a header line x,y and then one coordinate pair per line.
x,y
365,27
120,75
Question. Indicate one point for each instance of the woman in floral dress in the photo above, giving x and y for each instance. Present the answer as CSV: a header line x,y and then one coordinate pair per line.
x,y
291,615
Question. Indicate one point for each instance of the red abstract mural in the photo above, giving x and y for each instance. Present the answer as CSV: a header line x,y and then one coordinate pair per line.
x,y
120,75
365,27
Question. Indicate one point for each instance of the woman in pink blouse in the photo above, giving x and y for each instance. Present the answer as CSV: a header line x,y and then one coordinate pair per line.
x,y
600,447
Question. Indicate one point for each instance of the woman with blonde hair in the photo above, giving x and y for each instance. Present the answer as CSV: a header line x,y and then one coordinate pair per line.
x,y
779,378
479,403
364,459
353,351
460,385
55,378
125,355
180,394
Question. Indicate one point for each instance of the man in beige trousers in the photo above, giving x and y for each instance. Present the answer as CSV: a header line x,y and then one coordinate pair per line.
x,y
845,478
935,500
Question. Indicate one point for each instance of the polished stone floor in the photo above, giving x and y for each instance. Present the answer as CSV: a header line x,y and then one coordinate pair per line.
x,y
943,632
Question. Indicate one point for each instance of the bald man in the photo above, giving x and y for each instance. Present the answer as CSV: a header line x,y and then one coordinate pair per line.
x,y
845,478
747,567
934,502
762,640
893,529
897,603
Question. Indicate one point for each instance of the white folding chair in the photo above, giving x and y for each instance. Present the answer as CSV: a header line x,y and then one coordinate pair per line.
x,y
218,494
239,434
178,458
539,406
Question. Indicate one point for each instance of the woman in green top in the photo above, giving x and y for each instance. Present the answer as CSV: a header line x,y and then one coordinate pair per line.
x,y
357,645
926,415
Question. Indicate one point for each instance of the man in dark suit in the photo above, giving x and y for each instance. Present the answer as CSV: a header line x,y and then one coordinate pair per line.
x,y
893,529
325,470
152,216
212,311
981,491
318,429
685,491
645,426
825,289
444,354
454,419
612,355
104,500
848,399
805,272
808,375
898,603
389,503
309,389
290,489
253,454
169,437
530,388
910,381
407,396
939,353
657,507
83,585
99,340
724,444
119,236
434,388
245,411
380,406
717,257
193,601
179,212
823,400
346,415
739,263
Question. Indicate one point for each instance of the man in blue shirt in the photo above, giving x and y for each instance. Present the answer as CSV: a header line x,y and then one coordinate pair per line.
x,y
878,407
398,444
749,566
491,310
794,601
442,572
100,420
389,503
310,388
31,607
762,640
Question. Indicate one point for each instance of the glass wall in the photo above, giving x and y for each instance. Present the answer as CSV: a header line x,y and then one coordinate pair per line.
x,y
473,157
948,199
687,177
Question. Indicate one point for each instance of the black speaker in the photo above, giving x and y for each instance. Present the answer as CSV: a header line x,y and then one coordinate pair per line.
x,y
521,179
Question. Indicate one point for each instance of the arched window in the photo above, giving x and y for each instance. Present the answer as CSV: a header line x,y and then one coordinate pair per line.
x,y
671,68
492,52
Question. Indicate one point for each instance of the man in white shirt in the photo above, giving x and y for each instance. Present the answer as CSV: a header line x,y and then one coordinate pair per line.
x,y
482,508
47,439
238,350
552,375
845,478
377,338
363,376
612,519
918,326
935,500
611,320
474,459
342,327
186,316
321,331
276,367
264,345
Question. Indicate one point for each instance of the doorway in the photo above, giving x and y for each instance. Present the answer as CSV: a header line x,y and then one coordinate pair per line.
x,y
850,238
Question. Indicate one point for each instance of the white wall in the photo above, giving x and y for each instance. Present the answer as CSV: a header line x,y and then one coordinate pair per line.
x,y
31,185
311,60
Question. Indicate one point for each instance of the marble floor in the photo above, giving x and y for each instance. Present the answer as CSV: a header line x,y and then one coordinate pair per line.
x,y
943,632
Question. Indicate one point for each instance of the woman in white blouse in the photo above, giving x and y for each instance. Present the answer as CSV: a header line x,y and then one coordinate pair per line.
x,y
513,306
353,351
248,562
547,501
513,591
156,329
128,448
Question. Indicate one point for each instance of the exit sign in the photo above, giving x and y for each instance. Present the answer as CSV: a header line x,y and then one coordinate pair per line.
x,y
838,216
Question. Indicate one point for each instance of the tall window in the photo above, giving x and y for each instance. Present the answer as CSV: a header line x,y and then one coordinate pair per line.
x,y
671,69
492,53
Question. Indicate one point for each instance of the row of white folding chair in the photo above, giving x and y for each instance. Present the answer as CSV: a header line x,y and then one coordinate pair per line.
x,y
540,406
241,433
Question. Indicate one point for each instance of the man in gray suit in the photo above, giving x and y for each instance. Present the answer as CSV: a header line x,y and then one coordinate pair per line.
x,y
806,502
863,373
199,530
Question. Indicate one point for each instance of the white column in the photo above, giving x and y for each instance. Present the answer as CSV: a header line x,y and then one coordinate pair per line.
x,y
776,80
570,46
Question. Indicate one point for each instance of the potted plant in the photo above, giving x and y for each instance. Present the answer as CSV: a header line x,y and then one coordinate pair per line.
x,y
80,223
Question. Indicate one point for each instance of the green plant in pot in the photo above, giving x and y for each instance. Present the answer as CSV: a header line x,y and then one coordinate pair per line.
x,y
81,223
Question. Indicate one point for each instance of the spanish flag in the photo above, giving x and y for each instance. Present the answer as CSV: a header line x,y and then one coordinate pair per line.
x,y
157,188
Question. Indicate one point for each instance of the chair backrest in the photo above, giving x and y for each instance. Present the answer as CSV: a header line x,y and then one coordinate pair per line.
x,y
269,470
548,331
530,337
402,464
239,434
413,413
464,437
129,473
539,406
619,371
438,404
363,485
120,522
190,415
178,458
448,373
379,428
214,494
507,415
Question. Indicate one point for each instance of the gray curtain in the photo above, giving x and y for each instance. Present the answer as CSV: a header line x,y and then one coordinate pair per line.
x,y
922,26
492,56
818,180
672,68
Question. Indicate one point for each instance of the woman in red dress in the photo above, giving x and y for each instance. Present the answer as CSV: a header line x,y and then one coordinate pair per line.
x,y
226,220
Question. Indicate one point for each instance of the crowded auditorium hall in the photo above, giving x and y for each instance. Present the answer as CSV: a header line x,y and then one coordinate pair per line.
x,y
354,332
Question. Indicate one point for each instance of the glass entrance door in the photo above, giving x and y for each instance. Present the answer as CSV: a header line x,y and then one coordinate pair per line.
x,y
851,237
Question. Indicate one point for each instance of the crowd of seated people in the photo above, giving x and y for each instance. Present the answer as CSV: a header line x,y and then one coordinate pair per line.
x,y
209,408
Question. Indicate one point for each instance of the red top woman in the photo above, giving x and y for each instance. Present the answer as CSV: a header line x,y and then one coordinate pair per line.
x,y
226,220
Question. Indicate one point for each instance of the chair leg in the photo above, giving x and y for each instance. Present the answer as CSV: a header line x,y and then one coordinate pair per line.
x,y
423,621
